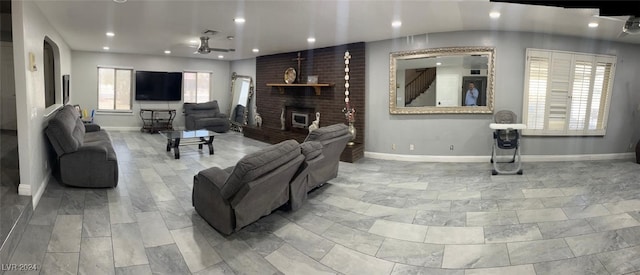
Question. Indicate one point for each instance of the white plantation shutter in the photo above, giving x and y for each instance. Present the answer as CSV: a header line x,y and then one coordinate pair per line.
x,y
567,93
537,89
558,101
580,95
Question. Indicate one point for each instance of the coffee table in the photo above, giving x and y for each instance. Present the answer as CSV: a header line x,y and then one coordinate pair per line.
x,y
175,139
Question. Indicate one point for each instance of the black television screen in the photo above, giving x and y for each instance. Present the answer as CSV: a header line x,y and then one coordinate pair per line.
x,y
165,86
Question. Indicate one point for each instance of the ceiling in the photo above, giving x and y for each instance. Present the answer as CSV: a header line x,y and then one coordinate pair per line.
x,y
153,26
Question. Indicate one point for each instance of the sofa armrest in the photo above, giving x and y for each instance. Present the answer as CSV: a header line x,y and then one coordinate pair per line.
x,y
209,203
215,175
91,127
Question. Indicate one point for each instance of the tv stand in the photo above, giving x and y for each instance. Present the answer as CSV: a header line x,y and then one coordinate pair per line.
x,y
154,120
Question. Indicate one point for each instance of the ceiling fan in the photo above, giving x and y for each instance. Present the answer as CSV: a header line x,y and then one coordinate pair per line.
x,y
607,9
632,26
204,44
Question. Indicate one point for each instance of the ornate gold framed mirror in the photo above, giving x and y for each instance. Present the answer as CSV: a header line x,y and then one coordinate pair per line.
x,y
453,80
241,93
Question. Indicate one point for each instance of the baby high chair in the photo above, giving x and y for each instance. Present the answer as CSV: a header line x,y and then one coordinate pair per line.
x,y
506,136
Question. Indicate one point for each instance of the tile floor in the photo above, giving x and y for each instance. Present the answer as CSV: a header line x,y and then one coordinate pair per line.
x,y
12,206
377,217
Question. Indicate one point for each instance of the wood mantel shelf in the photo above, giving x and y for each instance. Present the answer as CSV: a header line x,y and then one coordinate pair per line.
x,y
316,87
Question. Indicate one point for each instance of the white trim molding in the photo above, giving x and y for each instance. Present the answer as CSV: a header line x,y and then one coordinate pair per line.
x,y
527,158
133,128
118,128
43,186
24,189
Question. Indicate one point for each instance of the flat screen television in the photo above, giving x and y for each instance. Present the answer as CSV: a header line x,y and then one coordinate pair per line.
x,y
161,86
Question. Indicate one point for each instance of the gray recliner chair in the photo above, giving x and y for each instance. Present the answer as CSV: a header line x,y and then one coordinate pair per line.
x,y
86,157
229,199
205,116
322,149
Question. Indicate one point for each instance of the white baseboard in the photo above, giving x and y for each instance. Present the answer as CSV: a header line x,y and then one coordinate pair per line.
x,y
43,186
118,128
539,158
131,128
528,158
24,189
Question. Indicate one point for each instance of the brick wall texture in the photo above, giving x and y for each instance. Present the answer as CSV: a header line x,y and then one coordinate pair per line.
x,y
328,65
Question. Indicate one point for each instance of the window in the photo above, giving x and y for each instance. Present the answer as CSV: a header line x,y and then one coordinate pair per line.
x,y
49,75
567,94
114,88
197,87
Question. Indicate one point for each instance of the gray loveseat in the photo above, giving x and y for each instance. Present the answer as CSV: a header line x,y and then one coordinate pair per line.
x,y
85,154
322,149
205,116
229,199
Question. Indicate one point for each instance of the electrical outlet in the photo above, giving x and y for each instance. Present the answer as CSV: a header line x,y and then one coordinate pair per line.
x,y
451,147
631,145
393,147
411,147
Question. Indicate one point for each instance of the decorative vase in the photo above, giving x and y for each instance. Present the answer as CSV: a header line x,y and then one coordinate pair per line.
x,y
258,120
352,131
315,124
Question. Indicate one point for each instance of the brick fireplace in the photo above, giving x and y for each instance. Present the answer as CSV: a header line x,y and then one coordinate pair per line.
x,y
328,65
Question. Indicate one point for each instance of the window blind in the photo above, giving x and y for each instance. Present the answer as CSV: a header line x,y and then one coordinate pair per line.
x,y
567,93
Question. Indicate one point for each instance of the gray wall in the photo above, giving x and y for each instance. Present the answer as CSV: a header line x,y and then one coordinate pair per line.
x,y
84,83
30,29
470,134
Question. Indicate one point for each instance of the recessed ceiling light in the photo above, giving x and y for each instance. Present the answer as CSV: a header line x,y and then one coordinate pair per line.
x,y
221,56
593,25
396,24
110,34
239,20
167,52
311,40
494,14
105,48
193,41
438,63
231,37
255,50
119,1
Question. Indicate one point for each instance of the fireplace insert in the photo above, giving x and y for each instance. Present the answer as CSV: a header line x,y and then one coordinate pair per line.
x,y
299,120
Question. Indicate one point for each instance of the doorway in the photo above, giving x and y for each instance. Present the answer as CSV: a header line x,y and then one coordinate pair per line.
x,y
480,82
12,206
9,168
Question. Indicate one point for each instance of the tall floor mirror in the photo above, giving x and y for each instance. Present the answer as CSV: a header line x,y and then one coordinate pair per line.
x,y
241,93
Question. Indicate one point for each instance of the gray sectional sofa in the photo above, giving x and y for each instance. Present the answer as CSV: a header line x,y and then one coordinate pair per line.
x,y
229,199
322,149
85,154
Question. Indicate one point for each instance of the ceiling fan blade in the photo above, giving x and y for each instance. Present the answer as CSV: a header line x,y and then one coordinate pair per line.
x,y
612,18
222,50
